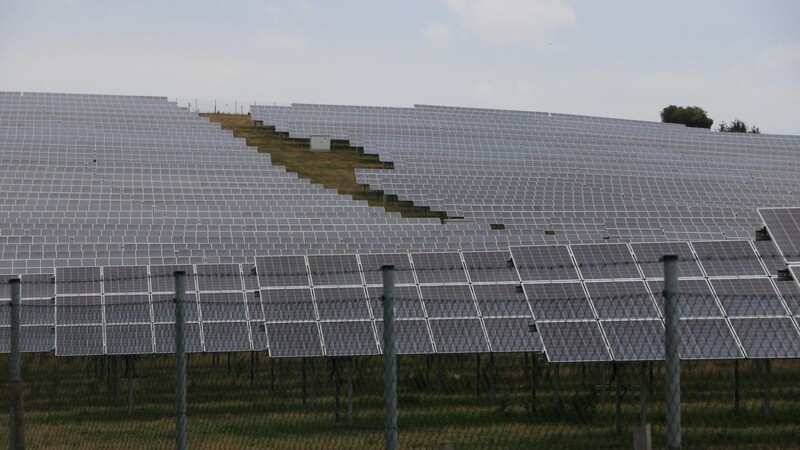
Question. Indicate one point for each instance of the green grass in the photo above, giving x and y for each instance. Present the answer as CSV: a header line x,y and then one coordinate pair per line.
x,y
334,169
71,404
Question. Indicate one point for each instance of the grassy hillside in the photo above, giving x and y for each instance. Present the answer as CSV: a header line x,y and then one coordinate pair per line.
x,y
334,169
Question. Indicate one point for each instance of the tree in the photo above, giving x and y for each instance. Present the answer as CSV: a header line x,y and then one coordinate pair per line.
x,y
691,116
738,126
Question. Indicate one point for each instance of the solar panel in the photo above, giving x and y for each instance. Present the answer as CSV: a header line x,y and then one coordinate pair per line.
x,y
605,261
448,301
790,291
33,339
353,337
78,280
32,312
768,337
649,257
282,271
544,263
512,334
165,337
573,341
80,340
501,300
341,303
226,336
219,277
125,279
708,339
771,256
129,339
484,267
127,308
164,307
748,297
79,310
412,336
293,339
695,299
372,264
259,334
254,309
635,340
37,286
728,259
162,277
288,304
783,225
439,268
217,306
334,270
621,300
407,302
458,336
558,301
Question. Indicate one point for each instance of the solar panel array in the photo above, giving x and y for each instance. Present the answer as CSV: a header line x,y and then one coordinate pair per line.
x,y
104,197
783,225
447,302
563,178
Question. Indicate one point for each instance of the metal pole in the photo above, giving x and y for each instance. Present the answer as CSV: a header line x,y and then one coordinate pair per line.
x,y
767,391
16,434
389,358
350,368
477,375
180,360
617,399
643,393
672,338
533,382
736,385
129,366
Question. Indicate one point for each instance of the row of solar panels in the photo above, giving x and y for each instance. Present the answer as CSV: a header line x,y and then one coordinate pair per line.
x,y
557,163
589,303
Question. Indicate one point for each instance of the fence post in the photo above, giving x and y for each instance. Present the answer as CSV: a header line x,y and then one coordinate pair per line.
x,y
672,338
389,358
16,433
180,360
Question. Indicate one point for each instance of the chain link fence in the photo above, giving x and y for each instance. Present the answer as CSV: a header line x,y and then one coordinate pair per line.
x,y
479,364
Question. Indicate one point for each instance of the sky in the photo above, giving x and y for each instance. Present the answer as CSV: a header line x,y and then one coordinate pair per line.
x,y
614,58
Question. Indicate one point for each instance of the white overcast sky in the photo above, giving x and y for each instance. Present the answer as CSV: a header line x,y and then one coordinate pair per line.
x,y
617,58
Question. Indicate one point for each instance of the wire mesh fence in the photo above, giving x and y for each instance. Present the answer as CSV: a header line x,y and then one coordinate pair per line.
x,y
276,361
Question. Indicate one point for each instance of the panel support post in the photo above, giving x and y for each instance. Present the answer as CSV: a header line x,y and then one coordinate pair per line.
x,y
617,399
389,358
533,382
672,338
642,436
180,361
736,395
129,367
16,433
350,368
643,393
767,391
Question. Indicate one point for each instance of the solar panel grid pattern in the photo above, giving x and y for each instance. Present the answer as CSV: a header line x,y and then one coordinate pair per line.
x,y
544,263
649,255
728,259
438,267
783,225
558,172
558,301
621,300
749,297
605,261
